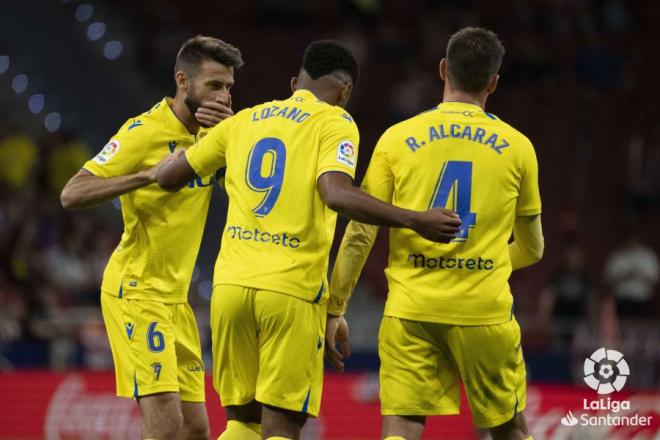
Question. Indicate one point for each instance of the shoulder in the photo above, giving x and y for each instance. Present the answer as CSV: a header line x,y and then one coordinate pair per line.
x,y
513,133
338,119
144,124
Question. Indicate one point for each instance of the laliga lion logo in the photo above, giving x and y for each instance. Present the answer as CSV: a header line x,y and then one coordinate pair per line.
x,y
606,371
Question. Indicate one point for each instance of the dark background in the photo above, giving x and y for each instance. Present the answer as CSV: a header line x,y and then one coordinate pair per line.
x,y
580,79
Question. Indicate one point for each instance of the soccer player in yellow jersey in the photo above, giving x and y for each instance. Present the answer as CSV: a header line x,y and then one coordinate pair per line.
x,y
290,165
152,330
449,312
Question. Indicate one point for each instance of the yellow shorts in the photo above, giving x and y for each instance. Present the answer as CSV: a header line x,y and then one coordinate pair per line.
x,y
422,364
267,346
155,348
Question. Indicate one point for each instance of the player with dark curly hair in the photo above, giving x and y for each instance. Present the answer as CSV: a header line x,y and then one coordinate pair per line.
x,y
290,168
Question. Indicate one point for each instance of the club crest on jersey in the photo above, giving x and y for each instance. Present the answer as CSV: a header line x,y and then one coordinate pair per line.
x,y
346,153
156,366
110,149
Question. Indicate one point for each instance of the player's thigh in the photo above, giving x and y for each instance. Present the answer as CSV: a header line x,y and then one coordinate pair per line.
x,y
291,337
235,346
492,368
152,346
119,334
417,377
189,354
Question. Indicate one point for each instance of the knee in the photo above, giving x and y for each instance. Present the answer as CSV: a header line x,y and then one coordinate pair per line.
x,y
168,426
514,429
173,425
196,430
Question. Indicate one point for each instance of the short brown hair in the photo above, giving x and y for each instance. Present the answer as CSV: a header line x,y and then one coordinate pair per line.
x,y
200,48
474,55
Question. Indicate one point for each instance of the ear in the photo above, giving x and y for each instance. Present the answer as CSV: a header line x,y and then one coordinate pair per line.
x,y
294,84
492,85
345,94
181,80
443,69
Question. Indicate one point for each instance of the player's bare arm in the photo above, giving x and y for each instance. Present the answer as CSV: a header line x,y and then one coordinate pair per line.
x,y
175,174
336,335
337,190
85,190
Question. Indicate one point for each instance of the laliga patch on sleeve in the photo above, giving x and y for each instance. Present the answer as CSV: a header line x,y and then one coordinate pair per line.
x,y
110,149
346,153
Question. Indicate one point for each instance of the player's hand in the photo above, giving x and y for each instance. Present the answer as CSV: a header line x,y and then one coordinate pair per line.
x,y
210,113
153,171
438,224
336,333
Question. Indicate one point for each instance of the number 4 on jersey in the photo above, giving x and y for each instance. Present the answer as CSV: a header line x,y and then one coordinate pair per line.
x,y
455,180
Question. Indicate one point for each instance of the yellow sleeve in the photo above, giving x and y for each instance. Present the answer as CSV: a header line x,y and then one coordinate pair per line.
x,y
529,198
339,145
124,153
359,238
210,153
527,247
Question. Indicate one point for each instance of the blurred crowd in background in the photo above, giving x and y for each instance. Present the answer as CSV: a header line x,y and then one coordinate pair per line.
x,y
577,79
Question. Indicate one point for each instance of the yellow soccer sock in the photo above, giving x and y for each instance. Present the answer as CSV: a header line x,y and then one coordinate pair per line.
x,y
394,437
236,430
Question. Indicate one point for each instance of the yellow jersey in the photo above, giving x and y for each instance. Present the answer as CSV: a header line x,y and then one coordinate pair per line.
x,y
279,230
162,230
459,157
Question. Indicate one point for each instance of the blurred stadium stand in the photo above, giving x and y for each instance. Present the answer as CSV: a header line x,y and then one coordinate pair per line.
x,y
579,79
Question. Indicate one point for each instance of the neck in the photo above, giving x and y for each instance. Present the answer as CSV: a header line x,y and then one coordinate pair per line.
x,y
450,95
182,112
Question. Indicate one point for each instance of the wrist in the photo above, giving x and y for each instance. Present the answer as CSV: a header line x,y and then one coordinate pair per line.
x,y
147,176
411,219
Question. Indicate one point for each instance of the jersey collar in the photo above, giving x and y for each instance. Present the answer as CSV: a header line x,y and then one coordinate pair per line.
x,y
305,94
169,114
459,105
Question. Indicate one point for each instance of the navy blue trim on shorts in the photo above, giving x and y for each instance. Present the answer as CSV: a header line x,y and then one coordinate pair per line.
x,y
135,385
306,404
318,295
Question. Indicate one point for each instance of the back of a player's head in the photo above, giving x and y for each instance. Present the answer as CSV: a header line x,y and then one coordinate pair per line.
x,y
200,48
328,57
474,55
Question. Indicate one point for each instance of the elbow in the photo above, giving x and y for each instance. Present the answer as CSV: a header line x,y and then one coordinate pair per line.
x,y
333,203
335,200
537,253
168,185
167,182
67,200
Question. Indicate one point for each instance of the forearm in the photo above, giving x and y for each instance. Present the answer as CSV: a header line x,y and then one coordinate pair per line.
x,y
174,175
353,252
87,190
357,205
527,247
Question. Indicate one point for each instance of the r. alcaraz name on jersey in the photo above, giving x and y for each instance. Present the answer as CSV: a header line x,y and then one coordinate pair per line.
x,y
279,230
